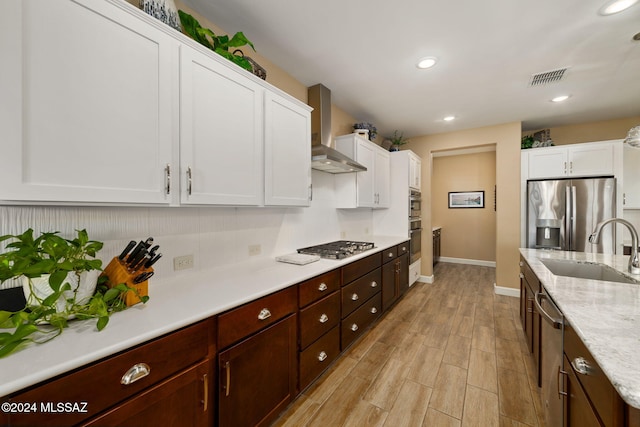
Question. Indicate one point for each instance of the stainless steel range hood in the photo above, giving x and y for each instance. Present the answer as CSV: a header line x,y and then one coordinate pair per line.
x,y
323,157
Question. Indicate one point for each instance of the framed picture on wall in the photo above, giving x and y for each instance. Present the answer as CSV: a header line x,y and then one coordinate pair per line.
x,y
466,199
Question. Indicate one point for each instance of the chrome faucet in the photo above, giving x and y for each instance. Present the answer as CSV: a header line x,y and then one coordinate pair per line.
x,y
634,263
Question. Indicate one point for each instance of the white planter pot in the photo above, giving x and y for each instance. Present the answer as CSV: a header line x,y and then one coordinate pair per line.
x,y
39,287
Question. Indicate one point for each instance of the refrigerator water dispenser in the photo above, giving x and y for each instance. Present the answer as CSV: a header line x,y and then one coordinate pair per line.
x,y
548,233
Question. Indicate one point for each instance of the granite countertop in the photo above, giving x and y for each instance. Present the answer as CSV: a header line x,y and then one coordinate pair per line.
x,y
605,315
174,304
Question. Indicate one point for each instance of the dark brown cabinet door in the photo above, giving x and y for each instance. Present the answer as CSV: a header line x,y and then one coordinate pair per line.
x,y
390,291
185,399
258,376
578,411
403,273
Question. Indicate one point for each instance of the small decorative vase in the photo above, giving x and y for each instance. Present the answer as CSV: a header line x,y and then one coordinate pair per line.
x,y
163,10
394,148
37,288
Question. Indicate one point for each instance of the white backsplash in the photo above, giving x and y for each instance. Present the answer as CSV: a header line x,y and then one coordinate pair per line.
x,y
216,236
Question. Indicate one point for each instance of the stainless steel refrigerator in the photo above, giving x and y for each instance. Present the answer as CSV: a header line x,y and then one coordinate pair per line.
x,y
561,214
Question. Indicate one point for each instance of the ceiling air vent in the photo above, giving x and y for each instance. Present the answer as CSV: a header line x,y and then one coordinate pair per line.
x,y
547,77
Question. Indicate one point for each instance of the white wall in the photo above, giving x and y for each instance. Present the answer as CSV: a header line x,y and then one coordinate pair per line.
x,y
216,236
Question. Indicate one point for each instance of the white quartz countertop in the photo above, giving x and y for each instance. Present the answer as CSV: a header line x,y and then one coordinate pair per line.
x,y
173,304
605,315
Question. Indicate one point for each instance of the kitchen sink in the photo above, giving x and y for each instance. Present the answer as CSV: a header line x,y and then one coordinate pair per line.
x,y
586,270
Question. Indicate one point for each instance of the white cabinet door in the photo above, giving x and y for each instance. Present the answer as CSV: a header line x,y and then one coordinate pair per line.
x,y
365,181
631,180
547,162
587,159
382,178
87,93
287,154
221,133
415,171
591,159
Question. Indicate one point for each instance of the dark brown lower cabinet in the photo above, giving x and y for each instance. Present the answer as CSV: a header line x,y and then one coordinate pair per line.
x,y
258,376
578,411
184,399
395,280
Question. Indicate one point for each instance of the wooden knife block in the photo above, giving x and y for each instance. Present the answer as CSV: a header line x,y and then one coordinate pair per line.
x,y
117,273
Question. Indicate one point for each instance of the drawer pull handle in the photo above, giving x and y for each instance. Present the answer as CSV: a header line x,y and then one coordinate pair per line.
x,y
324,318
390,254
582,366
374,284
323,287
354,327
135,373
355,297
264,314
404,249
374,310
227,386
206,393
322,356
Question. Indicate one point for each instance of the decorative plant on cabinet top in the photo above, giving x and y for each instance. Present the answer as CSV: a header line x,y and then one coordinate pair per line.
x,y
397,141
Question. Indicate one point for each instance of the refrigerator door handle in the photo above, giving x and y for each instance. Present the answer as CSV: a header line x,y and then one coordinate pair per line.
x,y
574,202
567,220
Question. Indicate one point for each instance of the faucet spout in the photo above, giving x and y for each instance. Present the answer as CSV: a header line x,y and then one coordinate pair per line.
x,y
634,262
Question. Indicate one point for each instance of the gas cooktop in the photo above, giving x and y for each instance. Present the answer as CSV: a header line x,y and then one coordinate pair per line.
x,y
337,250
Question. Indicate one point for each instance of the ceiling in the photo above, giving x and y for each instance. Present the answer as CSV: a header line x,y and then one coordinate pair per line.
x,y
366,52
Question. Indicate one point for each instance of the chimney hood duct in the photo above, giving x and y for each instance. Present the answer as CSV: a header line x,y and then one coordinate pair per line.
x,y
323,157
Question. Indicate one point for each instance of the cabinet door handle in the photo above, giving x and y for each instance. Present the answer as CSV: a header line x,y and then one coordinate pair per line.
x,y
323,287
322,356
374,284
404,249
582,366
167,179
189,181
565,167
374,310
560,391
206,392
264,314
227,386
390,254
354,327
355,297
135,373
324,318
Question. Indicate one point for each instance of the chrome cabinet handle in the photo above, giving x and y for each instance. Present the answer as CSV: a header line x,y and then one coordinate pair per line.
x,y
354,327
374,284
404,249
355,297
324,318
323,287
521,276
189,181
559,379
167,179
264,314
374,310
582,366
322,356
390,254
135,373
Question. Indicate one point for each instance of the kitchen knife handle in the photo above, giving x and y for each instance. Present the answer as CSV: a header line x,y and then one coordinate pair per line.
x,y
127,249
167,179
189,181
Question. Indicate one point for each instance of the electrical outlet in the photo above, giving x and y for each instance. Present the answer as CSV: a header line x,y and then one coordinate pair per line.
x,y
255,250
182,262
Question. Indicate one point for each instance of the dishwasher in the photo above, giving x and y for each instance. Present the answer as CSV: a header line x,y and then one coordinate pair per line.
x,y
551,353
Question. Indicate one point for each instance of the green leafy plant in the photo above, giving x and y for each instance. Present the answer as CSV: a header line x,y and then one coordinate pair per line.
x,y
59,259
398,140
219,44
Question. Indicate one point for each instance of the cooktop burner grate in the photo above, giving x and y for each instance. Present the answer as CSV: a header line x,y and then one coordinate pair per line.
x,y
337,250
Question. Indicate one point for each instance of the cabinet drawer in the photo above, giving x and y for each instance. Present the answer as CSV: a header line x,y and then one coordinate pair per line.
x,y
597,386
318,287
319,356
99,385
403,248
318,318
359,268
243,321
356,293
390,254
354,325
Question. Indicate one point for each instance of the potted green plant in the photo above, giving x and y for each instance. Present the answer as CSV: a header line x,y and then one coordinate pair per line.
x,y
397,141
222,45
60,282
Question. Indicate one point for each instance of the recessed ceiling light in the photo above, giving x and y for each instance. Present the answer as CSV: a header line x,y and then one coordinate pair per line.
x,y
560,98
615,6
427,62
449,118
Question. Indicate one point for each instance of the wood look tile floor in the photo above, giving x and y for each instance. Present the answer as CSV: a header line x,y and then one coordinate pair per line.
x,y
451,353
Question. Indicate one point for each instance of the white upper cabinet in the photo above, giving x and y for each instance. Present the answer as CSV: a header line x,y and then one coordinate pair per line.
x,y
368,189
221,133
415,171
287,157
575,160
631,177
84,120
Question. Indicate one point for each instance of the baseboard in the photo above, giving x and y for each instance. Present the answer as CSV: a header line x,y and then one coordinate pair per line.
x,y
467,261
510,292
425,279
